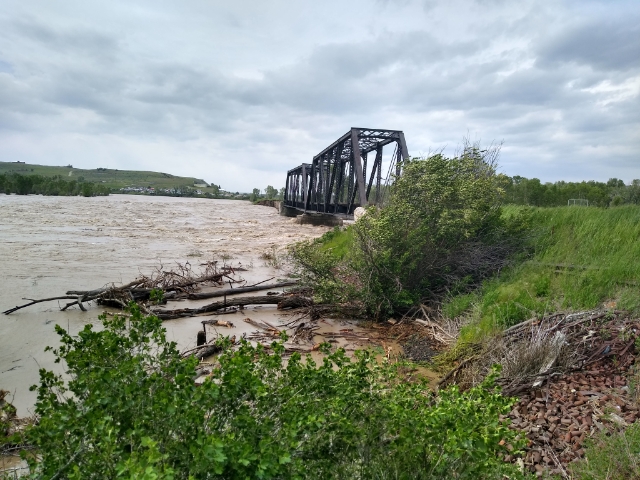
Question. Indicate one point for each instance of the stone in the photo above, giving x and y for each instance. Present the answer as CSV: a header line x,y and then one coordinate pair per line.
x,y
358,213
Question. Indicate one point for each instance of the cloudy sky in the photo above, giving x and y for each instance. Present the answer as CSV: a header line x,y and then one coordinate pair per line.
x,y
237,92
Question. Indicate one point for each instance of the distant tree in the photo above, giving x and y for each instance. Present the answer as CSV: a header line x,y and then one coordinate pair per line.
x,y
271,192
614,182
633,192
255,194
87,189
23,184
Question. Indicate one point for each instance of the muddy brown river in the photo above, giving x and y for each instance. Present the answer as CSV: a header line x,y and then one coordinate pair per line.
x,y
49,245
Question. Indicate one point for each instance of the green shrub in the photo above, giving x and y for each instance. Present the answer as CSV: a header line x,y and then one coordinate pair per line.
x,y
442,231
407,250
130,409
320,268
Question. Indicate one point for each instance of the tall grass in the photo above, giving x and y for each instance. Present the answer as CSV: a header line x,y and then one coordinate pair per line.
x,y
580,258
611,456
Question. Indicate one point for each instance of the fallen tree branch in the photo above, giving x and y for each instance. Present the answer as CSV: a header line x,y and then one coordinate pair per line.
x,y
263,326
172,283
455,370
218,323
33,302
233,291
235,302
204,350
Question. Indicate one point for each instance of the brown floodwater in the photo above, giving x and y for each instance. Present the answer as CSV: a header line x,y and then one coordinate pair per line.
x,y
49,245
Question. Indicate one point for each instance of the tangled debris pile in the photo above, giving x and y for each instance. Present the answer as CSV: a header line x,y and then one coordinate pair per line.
x,y
180,281
419,348
10,425
598,396
571,389
558,419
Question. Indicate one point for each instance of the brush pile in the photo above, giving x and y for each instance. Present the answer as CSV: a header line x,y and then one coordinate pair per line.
x,y
574,375
10,425
180,281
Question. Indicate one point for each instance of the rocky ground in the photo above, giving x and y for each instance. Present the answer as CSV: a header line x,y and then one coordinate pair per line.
x,y
419,348
599,394
588,384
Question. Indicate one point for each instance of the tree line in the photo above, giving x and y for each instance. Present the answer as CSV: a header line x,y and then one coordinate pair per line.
x,y
531,191
270,193
56,185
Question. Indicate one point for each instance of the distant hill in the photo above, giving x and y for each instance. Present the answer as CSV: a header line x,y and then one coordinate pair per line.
x,y
111,178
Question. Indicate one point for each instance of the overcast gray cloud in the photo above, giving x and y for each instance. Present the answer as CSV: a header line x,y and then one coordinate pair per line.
x,y
239,93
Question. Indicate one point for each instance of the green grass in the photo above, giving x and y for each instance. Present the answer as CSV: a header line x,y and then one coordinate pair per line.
x,y
337,241
110,177
612,456
581,257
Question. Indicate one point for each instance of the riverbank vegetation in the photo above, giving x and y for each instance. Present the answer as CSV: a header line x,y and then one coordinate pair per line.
x,y
541,290
130,409
579,258
18,177
39,185
531,191
441,231
269,193
109,177
456,249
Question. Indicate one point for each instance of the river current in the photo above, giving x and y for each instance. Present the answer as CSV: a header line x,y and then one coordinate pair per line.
x,y
49,245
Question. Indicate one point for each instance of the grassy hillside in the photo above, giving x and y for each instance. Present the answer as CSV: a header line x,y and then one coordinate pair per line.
x,y
109,177
580,258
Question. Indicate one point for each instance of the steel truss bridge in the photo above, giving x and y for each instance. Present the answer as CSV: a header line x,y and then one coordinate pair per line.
x,y
340,177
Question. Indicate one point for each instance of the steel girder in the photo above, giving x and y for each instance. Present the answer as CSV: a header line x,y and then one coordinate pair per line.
x,y
340,177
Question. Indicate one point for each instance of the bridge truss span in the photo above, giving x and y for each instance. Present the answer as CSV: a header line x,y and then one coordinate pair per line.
x,y
340,178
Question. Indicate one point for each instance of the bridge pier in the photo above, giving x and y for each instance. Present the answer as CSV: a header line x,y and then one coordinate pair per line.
x,y
319,219
288,211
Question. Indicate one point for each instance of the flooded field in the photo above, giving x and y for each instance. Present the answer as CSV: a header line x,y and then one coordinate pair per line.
x,y
49,245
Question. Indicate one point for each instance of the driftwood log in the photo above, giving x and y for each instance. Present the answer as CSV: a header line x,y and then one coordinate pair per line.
x,y
288,302
233,291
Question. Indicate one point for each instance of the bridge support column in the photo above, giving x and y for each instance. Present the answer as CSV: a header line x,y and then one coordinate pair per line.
x,y
288,211
319,219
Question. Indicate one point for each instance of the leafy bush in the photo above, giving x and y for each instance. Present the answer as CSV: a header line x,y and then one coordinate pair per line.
x,y
441,232
131,410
